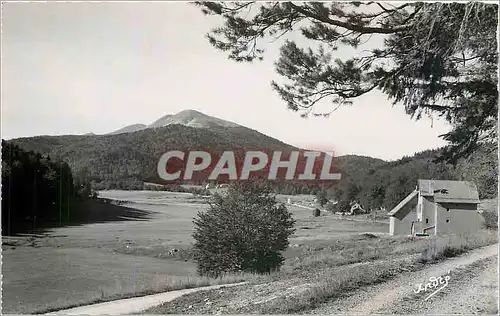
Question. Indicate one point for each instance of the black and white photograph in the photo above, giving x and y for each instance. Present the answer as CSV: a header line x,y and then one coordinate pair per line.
x,y
249,157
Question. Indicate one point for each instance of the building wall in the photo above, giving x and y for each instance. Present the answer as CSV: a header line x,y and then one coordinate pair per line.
x,y
403,227
462,218
392,225
419,207
428,214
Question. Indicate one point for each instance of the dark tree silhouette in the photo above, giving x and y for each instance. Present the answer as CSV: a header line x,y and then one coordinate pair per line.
x,y
35,189
435,58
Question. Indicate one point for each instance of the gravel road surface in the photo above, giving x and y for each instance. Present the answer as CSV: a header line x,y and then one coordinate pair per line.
x,y
133,305
472,289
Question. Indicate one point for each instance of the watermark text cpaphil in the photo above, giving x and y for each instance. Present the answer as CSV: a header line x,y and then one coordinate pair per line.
x,y
203,165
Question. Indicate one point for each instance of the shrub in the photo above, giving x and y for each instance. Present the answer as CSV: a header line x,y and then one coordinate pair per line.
x,y
343,206
330,207
321,197
198,191
490,219
244,230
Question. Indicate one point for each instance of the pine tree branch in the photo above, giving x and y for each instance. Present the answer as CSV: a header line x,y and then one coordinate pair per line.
x,y
350,26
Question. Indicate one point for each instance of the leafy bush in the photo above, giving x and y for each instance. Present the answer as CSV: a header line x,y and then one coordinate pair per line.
x,y
244,230
330,207
342,206
490,219
489,209
321,197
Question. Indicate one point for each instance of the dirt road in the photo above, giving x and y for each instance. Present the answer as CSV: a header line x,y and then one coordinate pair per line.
x,y
472,289
133,305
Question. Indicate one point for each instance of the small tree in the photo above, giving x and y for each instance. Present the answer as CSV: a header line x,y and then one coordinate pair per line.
x,y
343,206
244,230
330,207
316,212
321,197
83,188
490,219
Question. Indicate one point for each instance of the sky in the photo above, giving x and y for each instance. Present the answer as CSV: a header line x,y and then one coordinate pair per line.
x,y
76,68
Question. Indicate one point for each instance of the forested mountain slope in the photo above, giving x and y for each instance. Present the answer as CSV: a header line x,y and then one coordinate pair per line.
x,y
124,161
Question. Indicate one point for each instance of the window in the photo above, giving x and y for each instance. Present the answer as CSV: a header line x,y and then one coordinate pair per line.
x,y
447,220
427,221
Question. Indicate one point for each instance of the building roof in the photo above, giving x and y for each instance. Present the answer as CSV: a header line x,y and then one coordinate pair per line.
x,y
447,191
443,191
400,211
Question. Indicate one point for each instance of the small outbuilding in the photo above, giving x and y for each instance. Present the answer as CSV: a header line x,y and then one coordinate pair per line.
x,y
438,207
356,209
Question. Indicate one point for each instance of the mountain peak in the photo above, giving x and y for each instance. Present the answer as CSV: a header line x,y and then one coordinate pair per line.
x,y
129,129
191,118
190,113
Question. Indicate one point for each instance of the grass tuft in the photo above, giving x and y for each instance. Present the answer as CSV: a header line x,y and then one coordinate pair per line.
x,y
161,284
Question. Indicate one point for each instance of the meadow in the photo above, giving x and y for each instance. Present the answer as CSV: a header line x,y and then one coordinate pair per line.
x,y
71,266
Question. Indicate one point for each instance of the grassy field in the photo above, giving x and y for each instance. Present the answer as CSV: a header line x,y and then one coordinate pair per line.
x,y
120,257
71,266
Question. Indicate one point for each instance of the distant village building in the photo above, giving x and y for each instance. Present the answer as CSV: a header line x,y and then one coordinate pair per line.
x,y
356,209
437,207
